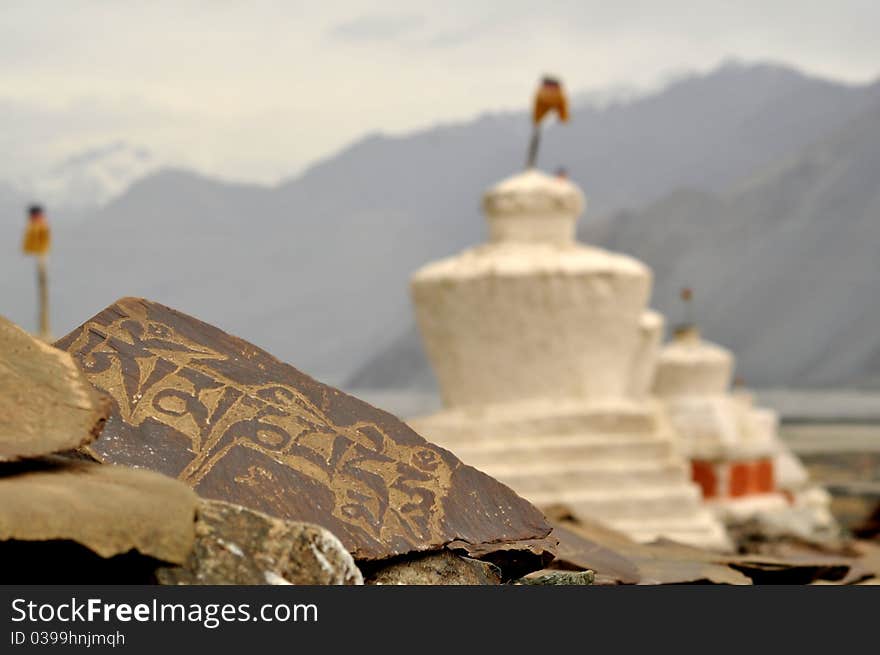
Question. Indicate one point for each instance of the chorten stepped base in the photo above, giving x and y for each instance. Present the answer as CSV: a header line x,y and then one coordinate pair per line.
x,y
615,461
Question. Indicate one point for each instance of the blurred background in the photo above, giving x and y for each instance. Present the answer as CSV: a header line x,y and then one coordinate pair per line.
x,y
279,169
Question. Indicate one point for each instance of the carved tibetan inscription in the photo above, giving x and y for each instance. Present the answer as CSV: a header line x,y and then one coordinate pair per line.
x,y
237,424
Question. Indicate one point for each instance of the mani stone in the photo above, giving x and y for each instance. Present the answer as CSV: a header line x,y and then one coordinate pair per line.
x,y
544,349
110,510
46,403
746,473
238,425
236,545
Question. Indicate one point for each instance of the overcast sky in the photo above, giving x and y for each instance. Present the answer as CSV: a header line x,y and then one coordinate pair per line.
x,y
255,89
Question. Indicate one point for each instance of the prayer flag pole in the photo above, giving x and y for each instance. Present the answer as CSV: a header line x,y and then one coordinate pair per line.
x,y
37,242
550,97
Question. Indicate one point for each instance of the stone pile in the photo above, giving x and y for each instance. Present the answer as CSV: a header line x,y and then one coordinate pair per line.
x,y
616,559
65,518
238,426
299,483
236,545
102,517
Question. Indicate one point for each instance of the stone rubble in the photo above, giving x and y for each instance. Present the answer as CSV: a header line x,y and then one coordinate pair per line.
x,y
65,517
236,545
238,425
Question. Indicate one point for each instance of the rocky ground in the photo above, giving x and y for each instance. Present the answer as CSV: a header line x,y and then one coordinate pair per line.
x,y
148,447
843,456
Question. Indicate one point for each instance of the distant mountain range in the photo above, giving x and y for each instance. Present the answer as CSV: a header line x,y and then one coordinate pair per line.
x,y
88,179
741,183
785,267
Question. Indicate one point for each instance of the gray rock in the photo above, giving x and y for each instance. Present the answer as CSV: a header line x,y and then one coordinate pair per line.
x,y
236,545
559,578
437,568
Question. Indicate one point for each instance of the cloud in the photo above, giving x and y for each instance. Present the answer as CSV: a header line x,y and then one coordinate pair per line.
x,y
241,89
368,28
451,38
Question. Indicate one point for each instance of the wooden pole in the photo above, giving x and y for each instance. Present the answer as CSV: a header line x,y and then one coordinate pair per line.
x,y
43,285
532,157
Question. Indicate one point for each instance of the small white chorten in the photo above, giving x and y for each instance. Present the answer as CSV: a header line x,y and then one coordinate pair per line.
x,y
744,470
545,352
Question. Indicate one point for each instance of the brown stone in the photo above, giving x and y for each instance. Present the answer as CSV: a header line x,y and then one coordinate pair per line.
x,y
46,403
793,561
110,510
236,545
440,568
580,552
614,557
238,425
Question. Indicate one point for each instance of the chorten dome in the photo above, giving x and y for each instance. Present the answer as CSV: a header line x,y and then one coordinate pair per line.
x,y
693,376
532,313
689,365
533,207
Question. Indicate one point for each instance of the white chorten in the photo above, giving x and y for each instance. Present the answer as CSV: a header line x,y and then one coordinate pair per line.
x,y
545,352
743,468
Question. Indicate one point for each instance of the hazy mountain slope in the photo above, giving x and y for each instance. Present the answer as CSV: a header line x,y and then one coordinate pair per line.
x,y
92,177
402,364
17,276
703,132
785,266
316,269
708,131
168,237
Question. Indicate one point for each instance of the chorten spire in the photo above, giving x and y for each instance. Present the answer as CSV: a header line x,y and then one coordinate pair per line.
x,y
687,330
549,99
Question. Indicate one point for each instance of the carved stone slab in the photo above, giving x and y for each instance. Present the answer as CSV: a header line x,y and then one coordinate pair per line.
x,y
46,403
238,425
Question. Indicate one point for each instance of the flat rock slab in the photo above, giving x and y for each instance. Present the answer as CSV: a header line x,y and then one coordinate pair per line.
x,y
615,558
46,403
238,425
236,545
583,552
108,509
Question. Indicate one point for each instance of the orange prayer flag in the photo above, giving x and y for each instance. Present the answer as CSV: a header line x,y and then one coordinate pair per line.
x,y
550,97
37,239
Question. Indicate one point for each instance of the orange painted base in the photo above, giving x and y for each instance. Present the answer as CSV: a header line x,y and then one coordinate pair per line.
x,y
733,479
